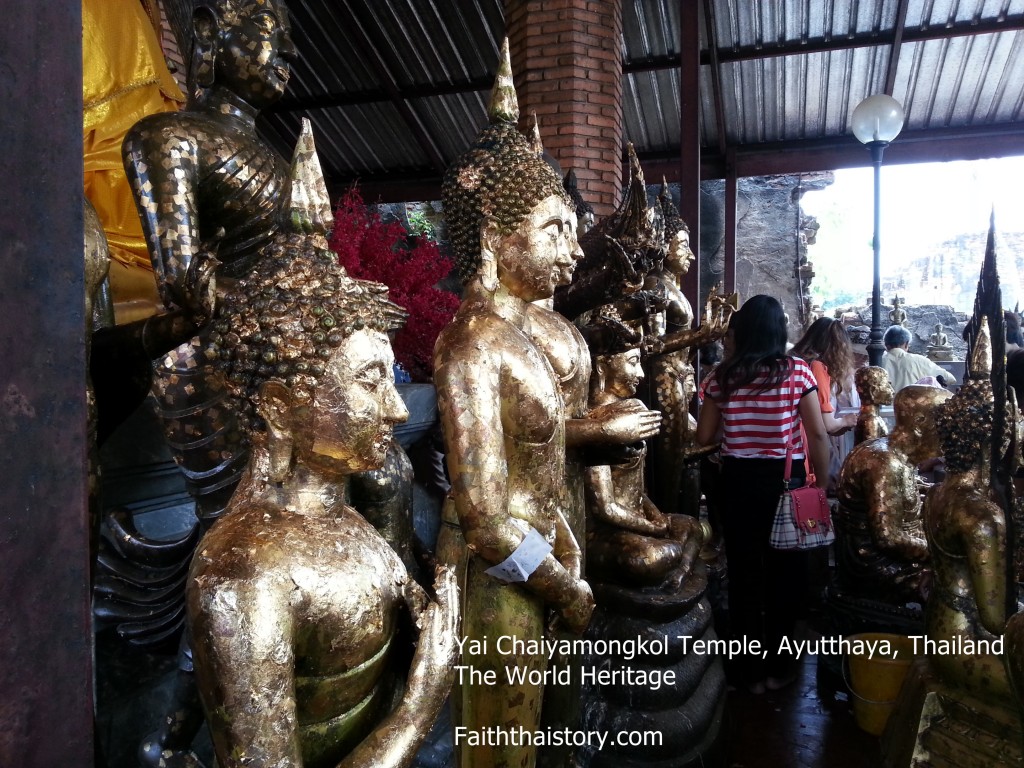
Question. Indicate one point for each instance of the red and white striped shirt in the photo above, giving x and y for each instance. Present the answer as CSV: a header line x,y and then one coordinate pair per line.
x,y
757,424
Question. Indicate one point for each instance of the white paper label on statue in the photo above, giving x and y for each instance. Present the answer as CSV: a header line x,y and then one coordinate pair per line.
x,y
518,566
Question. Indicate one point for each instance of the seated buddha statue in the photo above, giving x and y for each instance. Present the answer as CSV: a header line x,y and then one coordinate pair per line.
x,y
629,540
874,391
673,470
938,345
881,551
513,230
298,608
967,538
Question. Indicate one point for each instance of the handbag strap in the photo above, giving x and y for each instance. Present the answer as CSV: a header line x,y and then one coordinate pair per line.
x,y
789,436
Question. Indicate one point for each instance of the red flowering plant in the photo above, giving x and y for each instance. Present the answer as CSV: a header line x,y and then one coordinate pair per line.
x,y
411,266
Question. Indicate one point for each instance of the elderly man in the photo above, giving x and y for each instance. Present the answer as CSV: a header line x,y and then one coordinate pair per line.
x,y
905,368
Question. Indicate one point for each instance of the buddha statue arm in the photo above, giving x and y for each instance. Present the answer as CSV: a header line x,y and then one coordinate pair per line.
x,y
890,487
620,422
247,678
163,170
470,403
393,743
602,504
717,313
984,530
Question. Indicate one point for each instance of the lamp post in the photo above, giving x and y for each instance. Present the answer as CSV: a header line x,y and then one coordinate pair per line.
x,y
876,121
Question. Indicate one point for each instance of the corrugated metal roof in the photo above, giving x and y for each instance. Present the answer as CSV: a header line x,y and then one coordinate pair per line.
x,y
396,88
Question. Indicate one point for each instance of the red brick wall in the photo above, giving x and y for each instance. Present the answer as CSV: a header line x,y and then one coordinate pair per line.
x,y
567,62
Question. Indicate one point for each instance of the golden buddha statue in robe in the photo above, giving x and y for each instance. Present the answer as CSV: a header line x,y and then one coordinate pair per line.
x,y
296,604
513,231
874,391
881,551
124,78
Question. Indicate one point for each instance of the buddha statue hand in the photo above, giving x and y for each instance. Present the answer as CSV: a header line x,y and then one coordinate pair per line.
x,y
574,614
432,670
199,291
717,314
626,421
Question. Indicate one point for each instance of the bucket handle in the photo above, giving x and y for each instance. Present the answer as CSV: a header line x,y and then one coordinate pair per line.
x,y
849,685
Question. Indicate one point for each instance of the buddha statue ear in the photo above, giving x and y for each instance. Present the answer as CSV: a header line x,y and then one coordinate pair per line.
x,y
275,406
489,237
205,31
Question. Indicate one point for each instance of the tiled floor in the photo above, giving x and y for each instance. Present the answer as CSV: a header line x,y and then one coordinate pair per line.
x,y
807,725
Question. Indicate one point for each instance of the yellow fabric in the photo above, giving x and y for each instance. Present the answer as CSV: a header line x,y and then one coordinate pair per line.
x,y
124,78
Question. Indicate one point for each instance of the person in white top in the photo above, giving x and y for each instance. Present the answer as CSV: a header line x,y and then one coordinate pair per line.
x,y
905,368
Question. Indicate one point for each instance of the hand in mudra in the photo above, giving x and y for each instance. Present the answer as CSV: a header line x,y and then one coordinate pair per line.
x,y
626,421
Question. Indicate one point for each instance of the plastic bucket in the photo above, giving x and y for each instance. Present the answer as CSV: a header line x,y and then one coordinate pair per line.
x,y
875,679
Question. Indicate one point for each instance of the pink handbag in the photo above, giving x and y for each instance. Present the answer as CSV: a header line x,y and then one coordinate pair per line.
x,y
803,519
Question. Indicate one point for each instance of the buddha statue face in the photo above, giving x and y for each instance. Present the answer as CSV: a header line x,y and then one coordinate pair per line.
x,y
621,372
873,386
355,405
254,49
679,256
539,253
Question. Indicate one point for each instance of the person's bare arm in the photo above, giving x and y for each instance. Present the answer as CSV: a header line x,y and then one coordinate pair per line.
x,y
817,440
709,422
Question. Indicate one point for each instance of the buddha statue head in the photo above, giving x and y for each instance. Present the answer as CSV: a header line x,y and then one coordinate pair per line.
x,y
304,348
914,407
244,46
873,385
584,210
502,200
678,255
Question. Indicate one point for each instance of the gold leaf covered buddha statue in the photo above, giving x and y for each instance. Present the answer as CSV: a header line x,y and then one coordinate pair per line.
x,y
295,602
513,231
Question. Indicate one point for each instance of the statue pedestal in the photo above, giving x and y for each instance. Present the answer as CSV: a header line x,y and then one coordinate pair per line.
x,y
687,711
937,726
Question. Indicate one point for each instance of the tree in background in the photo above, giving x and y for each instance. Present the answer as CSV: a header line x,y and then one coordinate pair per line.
x,y
410,265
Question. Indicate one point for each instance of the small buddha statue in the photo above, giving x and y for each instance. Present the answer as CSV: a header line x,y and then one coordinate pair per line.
x,y
874,390
967,538
897,315
673,476
513,231
295,602
938,345
881,551
629,540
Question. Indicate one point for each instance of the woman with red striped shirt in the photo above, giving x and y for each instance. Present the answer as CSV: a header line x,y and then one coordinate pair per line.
x,y
756,401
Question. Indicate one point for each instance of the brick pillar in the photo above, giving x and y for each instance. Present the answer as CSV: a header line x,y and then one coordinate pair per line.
x,y
567,63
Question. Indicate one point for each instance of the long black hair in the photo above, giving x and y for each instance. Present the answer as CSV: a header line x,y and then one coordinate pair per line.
x,y
758,347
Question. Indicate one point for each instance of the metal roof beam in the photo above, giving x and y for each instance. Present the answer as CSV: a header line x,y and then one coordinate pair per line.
x,y
826,45
917,146
897,43
355,98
